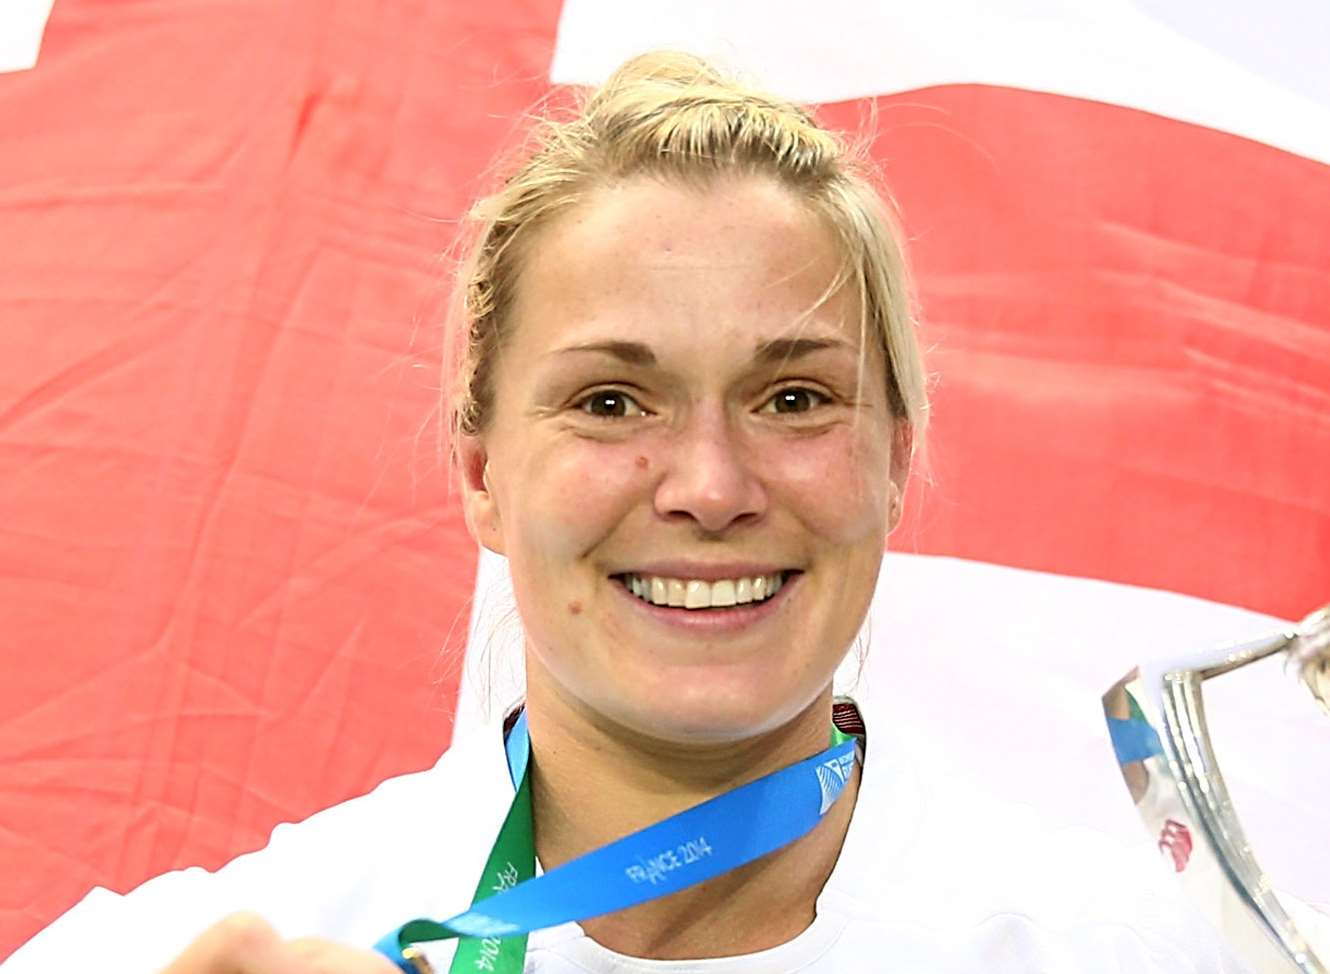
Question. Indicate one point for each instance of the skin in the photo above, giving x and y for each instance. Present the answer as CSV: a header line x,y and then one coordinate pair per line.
x,y
716,456
245,944
701,279
596,462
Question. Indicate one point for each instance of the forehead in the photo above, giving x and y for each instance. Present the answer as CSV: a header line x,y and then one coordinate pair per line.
x,y
738,255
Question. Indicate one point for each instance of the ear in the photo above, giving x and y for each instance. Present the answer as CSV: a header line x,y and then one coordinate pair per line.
x,y
479,505
902,454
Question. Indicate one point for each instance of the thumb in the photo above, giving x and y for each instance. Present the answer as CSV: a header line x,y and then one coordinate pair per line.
x,y
245,943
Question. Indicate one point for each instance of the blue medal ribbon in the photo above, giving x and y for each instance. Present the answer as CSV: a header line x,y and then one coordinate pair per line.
x,y
695,845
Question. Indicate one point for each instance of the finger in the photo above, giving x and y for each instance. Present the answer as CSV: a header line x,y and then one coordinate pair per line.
x,y
243,943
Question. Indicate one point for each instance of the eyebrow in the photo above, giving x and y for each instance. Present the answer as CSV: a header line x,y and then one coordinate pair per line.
x,y
782,350
778,350
633,353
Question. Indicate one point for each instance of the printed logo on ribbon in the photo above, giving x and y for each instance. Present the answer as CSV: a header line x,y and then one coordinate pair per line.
x,y
654,869
831,777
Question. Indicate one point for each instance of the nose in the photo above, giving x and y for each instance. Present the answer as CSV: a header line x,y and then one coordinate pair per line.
x,y
709,476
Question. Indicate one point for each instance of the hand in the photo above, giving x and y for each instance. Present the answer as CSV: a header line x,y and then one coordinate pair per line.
x,y
244,943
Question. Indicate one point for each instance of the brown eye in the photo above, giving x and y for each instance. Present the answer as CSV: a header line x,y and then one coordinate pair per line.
x,y
796,399
611,404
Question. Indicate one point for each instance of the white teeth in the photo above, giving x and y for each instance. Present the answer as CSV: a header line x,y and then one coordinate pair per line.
x,y
697,594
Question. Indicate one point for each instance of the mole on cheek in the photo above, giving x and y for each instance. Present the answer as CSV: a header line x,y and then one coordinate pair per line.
x,y
642,463
575,607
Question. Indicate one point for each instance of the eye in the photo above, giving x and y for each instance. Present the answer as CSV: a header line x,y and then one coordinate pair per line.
x,y
611,404
795,399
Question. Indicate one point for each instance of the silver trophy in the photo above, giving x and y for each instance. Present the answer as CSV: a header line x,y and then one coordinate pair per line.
x,y
1156,719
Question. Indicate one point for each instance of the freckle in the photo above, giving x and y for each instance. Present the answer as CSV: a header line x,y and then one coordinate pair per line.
x,y
641,463
575,607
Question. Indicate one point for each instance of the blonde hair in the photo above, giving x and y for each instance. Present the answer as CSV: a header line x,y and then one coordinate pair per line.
x,y
675,116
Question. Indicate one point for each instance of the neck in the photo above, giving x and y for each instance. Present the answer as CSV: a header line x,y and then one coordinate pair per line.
x,y
593,784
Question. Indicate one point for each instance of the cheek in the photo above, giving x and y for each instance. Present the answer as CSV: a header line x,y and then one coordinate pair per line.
x,y
578,493
836,483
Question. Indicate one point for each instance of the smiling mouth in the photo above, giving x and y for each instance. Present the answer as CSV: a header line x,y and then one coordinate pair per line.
x,y
683,593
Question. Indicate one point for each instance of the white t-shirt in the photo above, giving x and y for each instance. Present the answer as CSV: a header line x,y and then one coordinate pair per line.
x,y
934,876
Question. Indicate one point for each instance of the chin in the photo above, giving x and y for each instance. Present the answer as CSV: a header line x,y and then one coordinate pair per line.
x,y
709,713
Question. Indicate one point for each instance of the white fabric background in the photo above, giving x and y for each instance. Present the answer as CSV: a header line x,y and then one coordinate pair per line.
x,y
22,23
1106,50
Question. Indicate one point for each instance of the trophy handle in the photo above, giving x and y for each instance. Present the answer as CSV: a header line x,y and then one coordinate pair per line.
x,y
1157,722
1205,795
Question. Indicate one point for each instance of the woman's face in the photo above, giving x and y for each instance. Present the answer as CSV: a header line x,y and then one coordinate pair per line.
x,y
672,423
